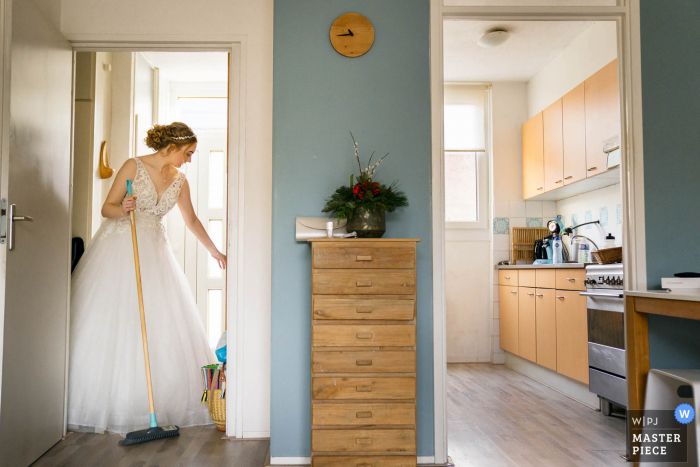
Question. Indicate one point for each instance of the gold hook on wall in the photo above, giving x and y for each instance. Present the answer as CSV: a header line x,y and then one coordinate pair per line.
x,y
105,170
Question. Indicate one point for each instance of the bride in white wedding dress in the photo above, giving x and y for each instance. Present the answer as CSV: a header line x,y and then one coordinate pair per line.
x,y
107,382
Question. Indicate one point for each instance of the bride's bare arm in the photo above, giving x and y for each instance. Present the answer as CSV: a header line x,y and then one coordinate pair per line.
x,y
184,202
115,205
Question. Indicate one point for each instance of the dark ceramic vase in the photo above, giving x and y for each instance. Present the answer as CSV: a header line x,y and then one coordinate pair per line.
x,y
367,223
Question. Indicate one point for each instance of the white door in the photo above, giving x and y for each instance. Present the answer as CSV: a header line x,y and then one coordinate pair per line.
x,y
206,175
35,275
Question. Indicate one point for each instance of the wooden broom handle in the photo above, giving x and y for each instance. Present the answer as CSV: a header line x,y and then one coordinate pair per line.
x,y
143,316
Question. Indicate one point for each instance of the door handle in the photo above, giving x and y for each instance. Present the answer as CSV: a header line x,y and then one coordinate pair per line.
x,y
11,219
558,181
363,258
540,188
363,414
363,283
530,293
540,295
513,291
560,298
364,335
363,362
360,309
567,178
590,169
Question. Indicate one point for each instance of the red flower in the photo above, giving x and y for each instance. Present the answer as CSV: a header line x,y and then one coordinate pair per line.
x,y
360,196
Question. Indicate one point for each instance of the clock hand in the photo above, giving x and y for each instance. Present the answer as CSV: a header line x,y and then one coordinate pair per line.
x,y
349,33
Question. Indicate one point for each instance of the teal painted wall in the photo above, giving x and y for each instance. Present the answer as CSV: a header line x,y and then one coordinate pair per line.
x,y
320,96
671,111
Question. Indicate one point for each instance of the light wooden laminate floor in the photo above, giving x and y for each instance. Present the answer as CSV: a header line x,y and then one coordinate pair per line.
x,y
497,417
196,446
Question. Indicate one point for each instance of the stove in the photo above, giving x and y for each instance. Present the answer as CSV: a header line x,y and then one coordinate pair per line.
x,y
606,334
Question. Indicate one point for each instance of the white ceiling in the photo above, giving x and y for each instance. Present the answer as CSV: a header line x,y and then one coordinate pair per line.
x,y
191,66
531,46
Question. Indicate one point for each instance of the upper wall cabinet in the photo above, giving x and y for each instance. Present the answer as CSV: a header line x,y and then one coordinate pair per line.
x,y
602,115
533,157
574,125
553,147
563,144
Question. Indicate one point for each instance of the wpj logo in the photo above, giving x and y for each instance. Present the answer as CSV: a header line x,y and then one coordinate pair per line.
x,y
660,435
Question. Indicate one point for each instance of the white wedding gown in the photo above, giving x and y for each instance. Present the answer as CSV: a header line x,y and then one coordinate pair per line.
x,y
107,384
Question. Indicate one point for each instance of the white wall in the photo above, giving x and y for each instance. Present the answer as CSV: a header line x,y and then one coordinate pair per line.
x,y
81,19
144,99
102,132
586,54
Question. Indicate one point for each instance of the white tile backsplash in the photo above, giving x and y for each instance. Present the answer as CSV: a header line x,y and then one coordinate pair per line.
x,y
518,222
501,242
599,205
549,210
501,255
517,209
501,209
533,208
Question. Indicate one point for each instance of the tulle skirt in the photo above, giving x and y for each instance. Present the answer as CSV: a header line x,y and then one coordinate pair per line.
x,y
107,383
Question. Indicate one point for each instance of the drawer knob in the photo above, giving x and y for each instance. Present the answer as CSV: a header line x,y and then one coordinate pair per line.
x,y
540,295
361,309
560,298
530,293
363,362
364,414
506,277
364,283
571,279
364,258
363,388
364,335
363,440
320,313
405,284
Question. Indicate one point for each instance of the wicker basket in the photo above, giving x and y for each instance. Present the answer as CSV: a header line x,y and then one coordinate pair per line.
x,y
608,255
524,242
217,408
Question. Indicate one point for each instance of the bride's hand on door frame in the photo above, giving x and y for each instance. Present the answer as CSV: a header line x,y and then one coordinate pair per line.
x,y
220,258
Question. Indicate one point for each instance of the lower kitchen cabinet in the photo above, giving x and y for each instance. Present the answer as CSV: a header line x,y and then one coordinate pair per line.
x,y
527,333
508,298
572,335
546,319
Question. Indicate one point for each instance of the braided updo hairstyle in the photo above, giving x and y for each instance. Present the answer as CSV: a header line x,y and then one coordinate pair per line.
x,y
177,133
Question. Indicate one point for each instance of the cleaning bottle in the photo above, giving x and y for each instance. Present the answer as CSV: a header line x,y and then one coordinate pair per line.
x,y
557,250
610,241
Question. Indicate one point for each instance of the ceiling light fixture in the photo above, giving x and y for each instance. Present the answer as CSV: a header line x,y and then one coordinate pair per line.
x,y
494,38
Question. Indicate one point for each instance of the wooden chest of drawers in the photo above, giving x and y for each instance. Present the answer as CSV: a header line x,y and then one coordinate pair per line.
x,y
363,353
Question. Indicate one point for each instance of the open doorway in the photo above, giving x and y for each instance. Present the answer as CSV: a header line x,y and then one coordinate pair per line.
x,y
119,96
531,112
125,104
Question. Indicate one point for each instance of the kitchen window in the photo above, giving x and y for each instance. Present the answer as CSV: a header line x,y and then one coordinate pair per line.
x,y
466,160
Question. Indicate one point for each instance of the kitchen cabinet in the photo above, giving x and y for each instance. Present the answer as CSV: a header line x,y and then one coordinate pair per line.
x,y
553,146
508,302
533,156
572,335
574,135
527,334
602,102
563,144
546,324
546,328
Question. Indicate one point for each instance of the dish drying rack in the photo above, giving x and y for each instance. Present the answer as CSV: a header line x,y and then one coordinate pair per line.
x,y
524,242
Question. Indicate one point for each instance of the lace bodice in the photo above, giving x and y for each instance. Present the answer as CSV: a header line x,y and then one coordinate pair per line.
x,y
149,209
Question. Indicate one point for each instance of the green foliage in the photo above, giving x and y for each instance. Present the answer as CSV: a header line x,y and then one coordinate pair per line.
x,y
366,194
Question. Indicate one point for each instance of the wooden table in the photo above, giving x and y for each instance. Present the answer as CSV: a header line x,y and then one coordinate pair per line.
x,y
638,306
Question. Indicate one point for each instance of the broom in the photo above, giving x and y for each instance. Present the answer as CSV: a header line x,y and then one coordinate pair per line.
x,y
155,431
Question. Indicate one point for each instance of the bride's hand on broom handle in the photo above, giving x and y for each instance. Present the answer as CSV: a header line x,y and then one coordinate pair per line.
x,y
220,258
128,205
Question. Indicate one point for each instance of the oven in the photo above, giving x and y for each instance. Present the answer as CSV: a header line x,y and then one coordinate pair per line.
x,y
606,334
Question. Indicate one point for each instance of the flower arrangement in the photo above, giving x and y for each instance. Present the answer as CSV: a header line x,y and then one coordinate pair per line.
x,y
365,193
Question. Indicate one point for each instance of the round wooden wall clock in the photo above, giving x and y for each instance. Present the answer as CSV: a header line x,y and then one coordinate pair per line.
x,y
352,35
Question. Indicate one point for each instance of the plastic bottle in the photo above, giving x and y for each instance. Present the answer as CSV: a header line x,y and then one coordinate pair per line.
x,y
610,241
557,250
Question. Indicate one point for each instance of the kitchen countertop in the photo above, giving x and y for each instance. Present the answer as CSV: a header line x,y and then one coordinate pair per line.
x,y
685,295
543,266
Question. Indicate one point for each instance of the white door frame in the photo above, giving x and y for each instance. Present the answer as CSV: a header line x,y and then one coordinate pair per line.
x,y
235,45
626,15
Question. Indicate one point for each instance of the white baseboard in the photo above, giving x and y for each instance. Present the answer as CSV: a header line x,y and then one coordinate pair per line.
x,y
569,387
256,434
307,460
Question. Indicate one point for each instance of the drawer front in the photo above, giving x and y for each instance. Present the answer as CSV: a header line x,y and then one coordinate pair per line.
x,y
545,278
508,277
371,361
346,308
364,461
354,281
363,388
365,256
362,414
526,278
371,441
571,279
364,335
